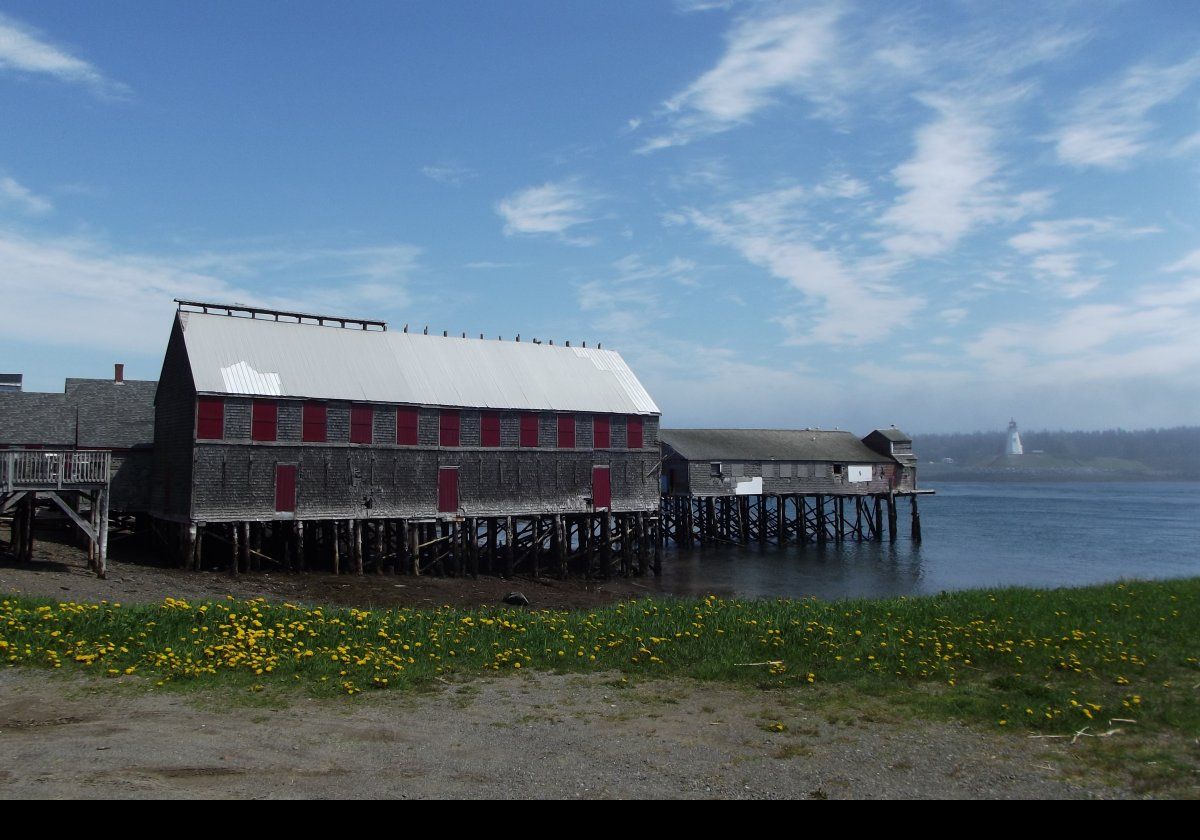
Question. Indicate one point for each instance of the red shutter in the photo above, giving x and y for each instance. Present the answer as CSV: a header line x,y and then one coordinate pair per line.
x,y
406,427
361,420
210,418
566,432
489,430
529,431
315,429
450,427
601,488
285,488
603,433
634,438
264,423
448,490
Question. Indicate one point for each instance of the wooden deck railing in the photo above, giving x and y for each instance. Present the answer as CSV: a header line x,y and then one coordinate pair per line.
x,y
53,469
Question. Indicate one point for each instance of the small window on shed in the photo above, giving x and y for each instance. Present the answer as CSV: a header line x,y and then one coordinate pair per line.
x,y
361,421
715,468
407,423
264,420
450,428
566,431
838,469
315,430
529,431
210,418
489,429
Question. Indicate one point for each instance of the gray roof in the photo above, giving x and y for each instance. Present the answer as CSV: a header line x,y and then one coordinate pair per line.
x,y
256,357
893,434
769,445
113,415
90,413
28,417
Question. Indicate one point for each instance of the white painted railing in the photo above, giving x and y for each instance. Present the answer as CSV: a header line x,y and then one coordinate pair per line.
x,y
29,469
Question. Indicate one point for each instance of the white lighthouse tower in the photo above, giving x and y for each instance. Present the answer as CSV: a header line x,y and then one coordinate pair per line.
x,y
1014,446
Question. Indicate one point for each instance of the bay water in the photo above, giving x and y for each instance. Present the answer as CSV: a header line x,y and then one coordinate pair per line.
x,y
975,535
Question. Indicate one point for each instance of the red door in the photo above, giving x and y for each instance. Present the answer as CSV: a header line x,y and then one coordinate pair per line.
x,y
285,488
601,488
448,490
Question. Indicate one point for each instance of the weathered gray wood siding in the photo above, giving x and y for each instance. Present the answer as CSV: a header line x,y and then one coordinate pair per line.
x,y
779,478
174,433
237,481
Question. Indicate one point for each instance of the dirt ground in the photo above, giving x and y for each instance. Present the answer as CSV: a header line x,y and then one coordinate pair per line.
x,y
535,735
136,574
528,736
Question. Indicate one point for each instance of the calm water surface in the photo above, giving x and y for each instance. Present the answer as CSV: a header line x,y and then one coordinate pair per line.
x,y
975,535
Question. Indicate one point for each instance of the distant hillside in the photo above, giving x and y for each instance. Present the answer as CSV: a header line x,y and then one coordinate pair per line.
x,y
1158,453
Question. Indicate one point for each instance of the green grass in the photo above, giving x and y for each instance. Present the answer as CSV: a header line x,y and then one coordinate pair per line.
x,y
1047,661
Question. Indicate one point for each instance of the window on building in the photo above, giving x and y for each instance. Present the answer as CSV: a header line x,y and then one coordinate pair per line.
x,y
362,419
264,420
602,431
529,431
450,428
210,418
489,429
407,425
315,429
634,439
838,468
716,468
566,431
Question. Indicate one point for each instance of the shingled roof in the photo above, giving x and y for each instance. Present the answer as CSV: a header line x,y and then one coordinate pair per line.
x,y
769,445
113,415
265,358
28,417
90,413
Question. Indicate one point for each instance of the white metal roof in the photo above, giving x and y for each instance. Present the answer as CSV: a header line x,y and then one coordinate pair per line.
x,y
255,357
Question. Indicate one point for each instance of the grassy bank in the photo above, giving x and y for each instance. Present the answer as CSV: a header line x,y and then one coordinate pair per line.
x,y
1054,661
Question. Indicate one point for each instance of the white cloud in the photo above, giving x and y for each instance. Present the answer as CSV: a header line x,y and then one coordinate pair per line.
x,y
22,198
629,300
24,51
1051,247
1109,126
99,297
1148,338
845,301
765,57
451,174
1190,262
1056,234
550,209
950,186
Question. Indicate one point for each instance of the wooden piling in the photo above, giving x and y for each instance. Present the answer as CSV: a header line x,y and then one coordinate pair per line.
x,y
235,551
357,547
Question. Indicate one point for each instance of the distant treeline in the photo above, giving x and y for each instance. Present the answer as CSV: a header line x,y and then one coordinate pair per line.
x,y
1172,451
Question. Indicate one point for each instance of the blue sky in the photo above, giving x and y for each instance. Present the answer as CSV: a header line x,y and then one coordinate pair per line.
x,y
934,215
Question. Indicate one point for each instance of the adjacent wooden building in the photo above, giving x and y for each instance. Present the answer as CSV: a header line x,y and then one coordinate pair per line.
x,y
785,485
90,414
337,440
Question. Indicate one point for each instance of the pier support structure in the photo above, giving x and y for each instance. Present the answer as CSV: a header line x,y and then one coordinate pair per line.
x,y
784,519
593,545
